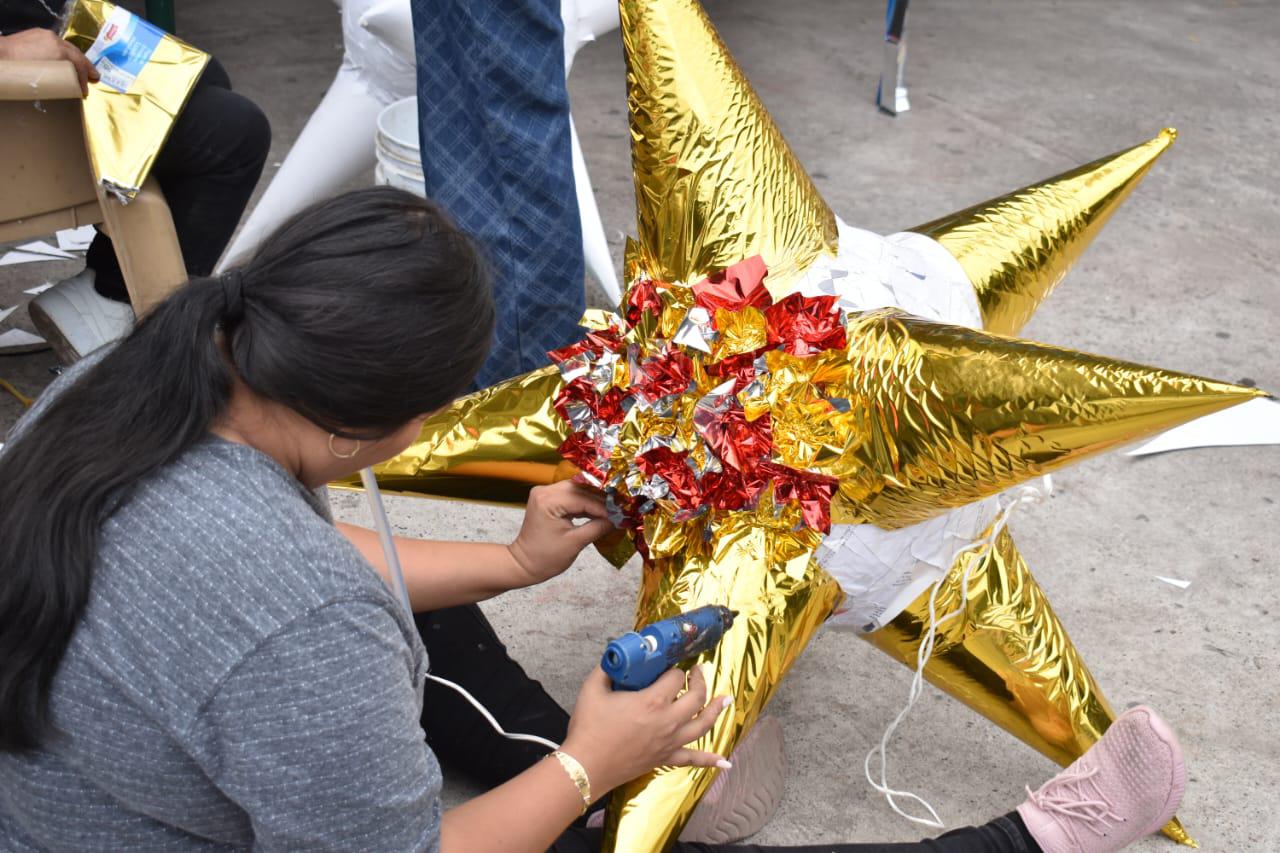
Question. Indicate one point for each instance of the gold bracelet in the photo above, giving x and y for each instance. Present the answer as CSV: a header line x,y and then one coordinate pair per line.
x,y
579,776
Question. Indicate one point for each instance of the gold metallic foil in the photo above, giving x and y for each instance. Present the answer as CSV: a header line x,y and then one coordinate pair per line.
x,y
752,569
956,415
676,302
126,130
489,447
1016,248
715,180
931,417
740,332
1008,658
912,417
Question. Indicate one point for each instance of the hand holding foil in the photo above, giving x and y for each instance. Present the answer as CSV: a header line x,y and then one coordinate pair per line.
x,y
146,77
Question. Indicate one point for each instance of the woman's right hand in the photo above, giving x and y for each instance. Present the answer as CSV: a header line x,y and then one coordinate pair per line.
x,y
618,735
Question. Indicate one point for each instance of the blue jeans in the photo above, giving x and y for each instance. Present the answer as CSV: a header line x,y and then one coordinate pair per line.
x,y
494,125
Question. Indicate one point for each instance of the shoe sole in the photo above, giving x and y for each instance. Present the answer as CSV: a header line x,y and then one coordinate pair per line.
x,y
748,795
1179,787
62,348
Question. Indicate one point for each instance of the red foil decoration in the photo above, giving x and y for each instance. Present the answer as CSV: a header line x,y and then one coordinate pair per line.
x,y
583,452
737,442
607,408
731,489
741,367
674,468
667,373
641,298
595,343
805,325
735,287
813,492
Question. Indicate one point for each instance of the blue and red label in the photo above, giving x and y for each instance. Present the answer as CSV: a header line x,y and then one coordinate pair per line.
x,y
123,47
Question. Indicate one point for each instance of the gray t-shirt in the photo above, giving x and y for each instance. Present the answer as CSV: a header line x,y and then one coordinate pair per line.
x,y
241,679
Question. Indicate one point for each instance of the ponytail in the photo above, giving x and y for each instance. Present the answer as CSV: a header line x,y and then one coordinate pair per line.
x,y
122,421
361,313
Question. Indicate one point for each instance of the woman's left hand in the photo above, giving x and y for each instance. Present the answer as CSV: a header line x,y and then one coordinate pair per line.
x,y
559,521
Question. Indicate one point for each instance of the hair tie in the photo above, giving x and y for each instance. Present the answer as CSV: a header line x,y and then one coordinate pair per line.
x,y
233,293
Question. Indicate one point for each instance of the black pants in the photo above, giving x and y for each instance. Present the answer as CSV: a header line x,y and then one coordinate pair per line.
x,y
1005,834
207,169
463,648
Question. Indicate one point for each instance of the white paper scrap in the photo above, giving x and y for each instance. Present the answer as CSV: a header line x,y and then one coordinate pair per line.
x,y
19,338
1254,422
76,239
5,312
30,253
1180,584
22,258
40,247
38,289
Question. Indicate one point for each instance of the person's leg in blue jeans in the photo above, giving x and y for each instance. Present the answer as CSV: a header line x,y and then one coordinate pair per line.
x,y
494,119
207,170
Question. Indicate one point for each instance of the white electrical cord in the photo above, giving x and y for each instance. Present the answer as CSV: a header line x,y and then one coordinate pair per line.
x,y
383,525
484,712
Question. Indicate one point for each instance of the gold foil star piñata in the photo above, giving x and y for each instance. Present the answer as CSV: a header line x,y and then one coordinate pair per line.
x,y
806,421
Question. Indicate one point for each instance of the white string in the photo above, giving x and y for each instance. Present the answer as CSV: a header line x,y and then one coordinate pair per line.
x,y
1026,494
383,525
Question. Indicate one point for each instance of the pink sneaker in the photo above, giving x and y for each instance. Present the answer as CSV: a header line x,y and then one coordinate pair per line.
x,y
1126,786
740,801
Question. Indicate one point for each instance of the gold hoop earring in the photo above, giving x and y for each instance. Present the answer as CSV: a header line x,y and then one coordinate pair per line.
x,y
350,455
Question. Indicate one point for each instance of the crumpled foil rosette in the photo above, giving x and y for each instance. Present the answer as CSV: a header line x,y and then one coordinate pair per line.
x,y
129,113
809,422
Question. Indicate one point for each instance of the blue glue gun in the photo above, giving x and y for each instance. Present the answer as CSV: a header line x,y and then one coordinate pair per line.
x,y
635,660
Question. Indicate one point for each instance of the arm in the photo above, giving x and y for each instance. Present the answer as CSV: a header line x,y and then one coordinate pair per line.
x,y
43,44
316,736
442,574
447,574
526,814
616,736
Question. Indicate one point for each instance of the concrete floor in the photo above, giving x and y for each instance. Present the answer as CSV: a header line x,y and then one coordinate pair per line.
x,y
1183,277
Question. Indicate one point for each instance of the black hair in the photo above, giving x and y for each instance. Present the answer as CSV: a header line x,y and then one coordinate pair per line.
x,y
360,313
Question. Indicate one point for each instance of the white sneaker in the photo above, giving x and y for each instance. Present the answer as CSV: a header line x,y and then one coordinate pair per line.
x,y
76,319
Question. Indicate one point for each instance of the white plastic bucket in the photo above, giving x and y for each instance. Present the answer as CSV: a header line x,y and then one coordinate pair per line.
x,y
396,145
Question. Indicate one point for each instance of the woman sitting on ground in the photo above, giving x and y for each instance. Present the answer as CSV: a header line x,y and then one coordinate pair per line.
x,y
194,657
